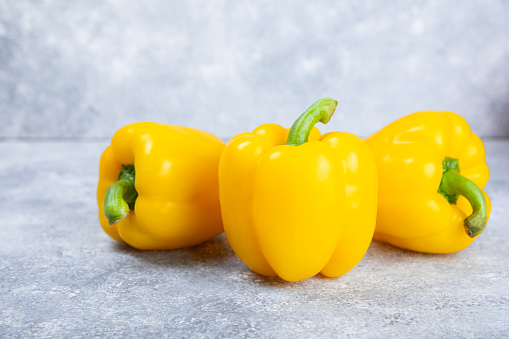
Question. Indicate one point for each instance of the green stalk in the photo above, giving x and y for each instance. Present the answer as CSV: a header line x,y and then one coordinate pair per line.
x,y
121,196
322,110
452,184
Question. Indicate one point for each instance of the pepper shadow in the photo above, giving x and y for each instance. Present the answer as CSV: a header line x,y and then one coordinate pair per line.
x,y
378,254
385,253
263,280
213,252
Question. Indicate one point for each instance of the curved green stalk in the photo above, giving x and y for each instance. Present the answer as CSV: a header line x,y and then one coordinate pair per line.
x,y
453,183
322,110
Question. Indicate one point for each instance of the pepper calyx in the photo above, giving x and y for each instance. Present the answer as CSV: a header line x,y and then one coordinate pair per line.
x,y
121,196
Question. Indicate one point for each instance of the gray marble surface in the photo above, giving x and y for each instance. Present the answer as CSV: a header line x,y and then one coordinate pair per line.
x,y
62,276
85,68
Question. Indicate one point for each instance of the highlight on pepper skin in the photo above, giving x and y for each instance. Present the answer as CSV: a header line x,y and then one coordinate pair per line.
x,y
432,171
296,203
158,187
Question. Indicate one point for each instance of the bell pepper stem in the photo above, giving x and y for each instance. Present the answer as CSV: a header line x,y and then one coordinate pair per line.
x,y
121,196
454,183
322,110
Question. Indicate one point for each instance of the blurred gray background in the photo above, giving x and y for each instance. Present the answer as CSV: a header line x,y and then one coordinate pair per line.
x,y
83,69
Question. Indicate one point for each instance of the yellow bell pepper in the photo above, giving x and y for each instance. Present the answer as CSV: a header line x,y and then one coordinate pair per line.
x,y
431,172
158,186
296,203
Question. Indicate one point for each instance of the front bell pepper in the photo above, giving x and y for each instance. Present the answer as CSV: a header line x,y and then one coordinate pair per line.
x,y
158,186
295,202
431,170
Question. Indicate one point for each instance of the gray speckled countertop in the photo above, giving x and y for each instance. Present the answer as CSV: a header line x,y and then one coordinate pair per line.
x,y
61,275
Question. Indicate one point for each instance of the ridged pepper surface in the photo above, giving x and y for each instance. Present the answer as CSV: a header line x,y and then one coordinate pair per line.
x,y
431,171
158,186
295,202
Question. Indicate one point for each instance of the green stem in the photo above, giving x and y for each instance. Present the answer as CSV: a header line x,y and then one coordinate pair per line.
x,y
454,183
121,196
322,110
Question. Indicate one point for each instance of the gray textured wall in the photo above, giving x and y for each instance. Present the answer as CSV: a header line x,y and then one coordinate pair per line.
x,y
86,68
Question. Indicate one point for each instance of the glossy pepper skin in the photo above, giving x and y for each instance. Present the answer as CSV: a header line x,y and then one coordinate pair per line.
x,y
297,209
167,194
424,161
